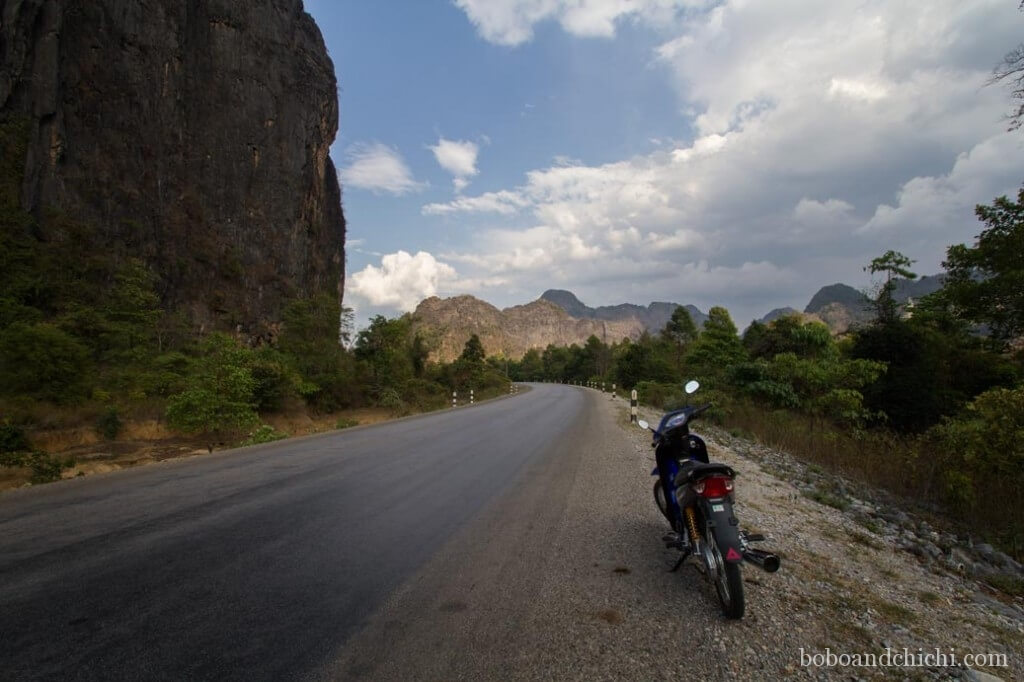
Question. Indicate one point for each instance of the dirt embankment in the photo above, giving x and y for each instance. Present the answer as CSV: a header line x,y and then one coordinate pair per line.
x,y
149,441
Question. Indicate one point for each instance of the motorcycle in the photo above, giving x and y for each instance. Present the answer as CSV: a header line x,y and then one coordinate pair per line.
x,y
696,497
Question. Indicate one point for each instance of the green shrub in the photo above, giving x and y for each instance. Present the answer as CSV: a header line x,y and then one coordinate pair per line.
x,y
42,361
200,410
219,396
983,449
109,423
44,467
662,396
345,423
12,438
426,394
274,381
390,399
264,434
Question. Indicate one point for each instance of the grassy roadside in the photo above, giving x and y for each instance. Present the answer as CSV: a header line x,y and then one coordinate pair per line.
x,y
909,469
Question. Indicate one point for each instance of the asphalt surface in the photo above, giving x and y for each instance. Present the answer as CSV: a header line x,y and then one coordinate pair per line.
x,y
261,564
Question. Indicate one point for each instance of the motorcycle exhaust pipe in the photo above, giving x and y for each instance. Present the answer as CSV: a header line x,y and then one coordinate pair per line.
x,y
764,560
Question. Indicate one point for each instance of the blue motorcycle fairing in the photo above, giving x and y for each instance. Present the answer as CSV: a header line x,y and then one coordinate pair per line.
x,y
669,415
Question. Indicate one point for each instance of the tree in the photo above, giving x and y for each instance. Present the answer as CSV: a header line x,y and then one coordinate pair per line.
x,y
132,309
985,283
789,334
220,394
531,367
385,349
596,358
984,450
1011,70
680,332
473,352
719,345
893,264
556,361
310,336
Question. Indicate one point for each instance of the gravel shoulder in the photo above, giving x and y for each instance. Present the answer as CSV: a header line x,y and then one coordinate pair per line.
x,y
565,577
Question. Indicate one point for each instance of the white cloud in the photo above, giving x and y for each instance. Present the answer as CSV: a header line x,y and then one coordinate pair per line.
x,y
823,134
458,157
826,213
857,89
504,202
401,281
511,22
379,168
940,206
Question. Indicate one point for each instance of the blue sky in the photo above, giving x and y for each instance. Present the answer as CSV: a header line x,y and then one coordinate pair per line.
x,y
714,153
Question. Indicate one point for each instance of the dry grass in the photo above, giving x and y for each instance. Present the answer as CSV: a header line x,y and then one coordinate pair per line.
x,y
148,429
878,457
61,440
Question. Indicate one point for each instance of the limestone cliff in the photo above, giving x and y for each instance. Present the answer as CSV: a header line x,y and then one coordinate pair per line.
x,y
448,323
191,133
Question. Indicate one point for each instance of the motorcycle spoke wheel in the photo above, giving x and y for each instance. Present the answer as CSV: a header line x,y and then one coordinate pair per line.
x,y
729,585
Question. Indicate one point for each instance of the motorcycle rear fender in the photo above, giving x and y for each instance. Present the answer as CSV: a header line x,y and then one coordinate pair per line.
x,y
724,526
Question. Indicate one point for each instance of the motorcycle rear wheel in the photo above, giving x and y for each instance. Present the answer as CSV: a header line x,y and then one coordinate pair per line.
x,y
729,585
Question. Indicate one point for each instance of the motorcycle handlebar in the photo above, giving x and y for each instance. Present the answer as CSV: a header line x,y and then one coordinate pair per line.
x,y
702,408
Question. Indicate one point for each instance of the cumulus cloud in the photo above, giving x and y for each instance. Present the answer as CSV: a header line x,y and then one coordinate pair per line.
x,y
401,281
458,157
939,206
379,168
817,136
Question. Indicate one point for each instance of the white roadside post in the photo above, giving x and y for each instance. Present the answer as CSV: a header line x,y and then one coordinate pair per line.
x,y
632,407
470,396
453,399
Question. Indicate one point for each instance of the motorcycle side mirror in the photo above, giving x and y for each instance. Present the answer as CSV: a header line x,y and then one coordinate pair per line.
x,y
691,386
642,424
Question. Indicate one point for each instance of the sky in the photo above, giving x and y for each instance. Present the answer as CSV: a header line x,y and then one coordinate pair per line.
x,y
724,152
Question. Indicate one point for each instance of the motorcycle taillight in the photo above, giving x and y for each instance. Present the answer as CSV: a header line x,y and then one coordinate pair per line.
x,y
714,486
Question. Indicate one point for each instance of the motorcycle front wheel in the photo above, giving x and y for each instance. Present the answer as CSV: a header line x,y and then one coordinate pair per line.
x,y
729,585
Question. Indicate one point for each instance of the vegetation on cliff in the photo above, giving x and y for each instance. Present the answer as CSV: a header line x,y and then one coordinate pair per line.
x,y
86,339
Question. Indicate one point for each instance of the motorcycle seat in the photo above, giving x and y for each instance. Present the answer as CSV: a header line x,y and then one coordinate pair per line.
x,y
694,471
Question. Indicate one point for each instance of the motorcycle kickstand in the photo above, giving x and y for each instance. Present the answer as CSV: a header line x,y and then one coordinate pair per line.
x,y
684,557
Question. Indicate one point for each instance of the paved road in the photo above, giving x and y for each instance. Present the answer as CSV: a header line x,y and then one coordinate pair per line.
x,y
258,564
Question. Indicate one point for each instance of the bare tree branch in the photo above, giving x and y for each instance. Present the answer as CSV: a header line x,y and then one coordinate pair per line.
x,y
1011,70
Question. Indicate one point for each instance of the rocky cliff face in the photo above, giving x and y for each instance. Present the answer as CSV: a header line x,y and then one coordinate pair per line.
x,y
448,323
192,133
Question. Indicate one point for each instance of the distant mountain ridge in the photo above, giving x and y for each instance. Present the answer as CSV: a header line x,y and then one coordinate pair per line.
x,y
654,317
447,323
558,317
